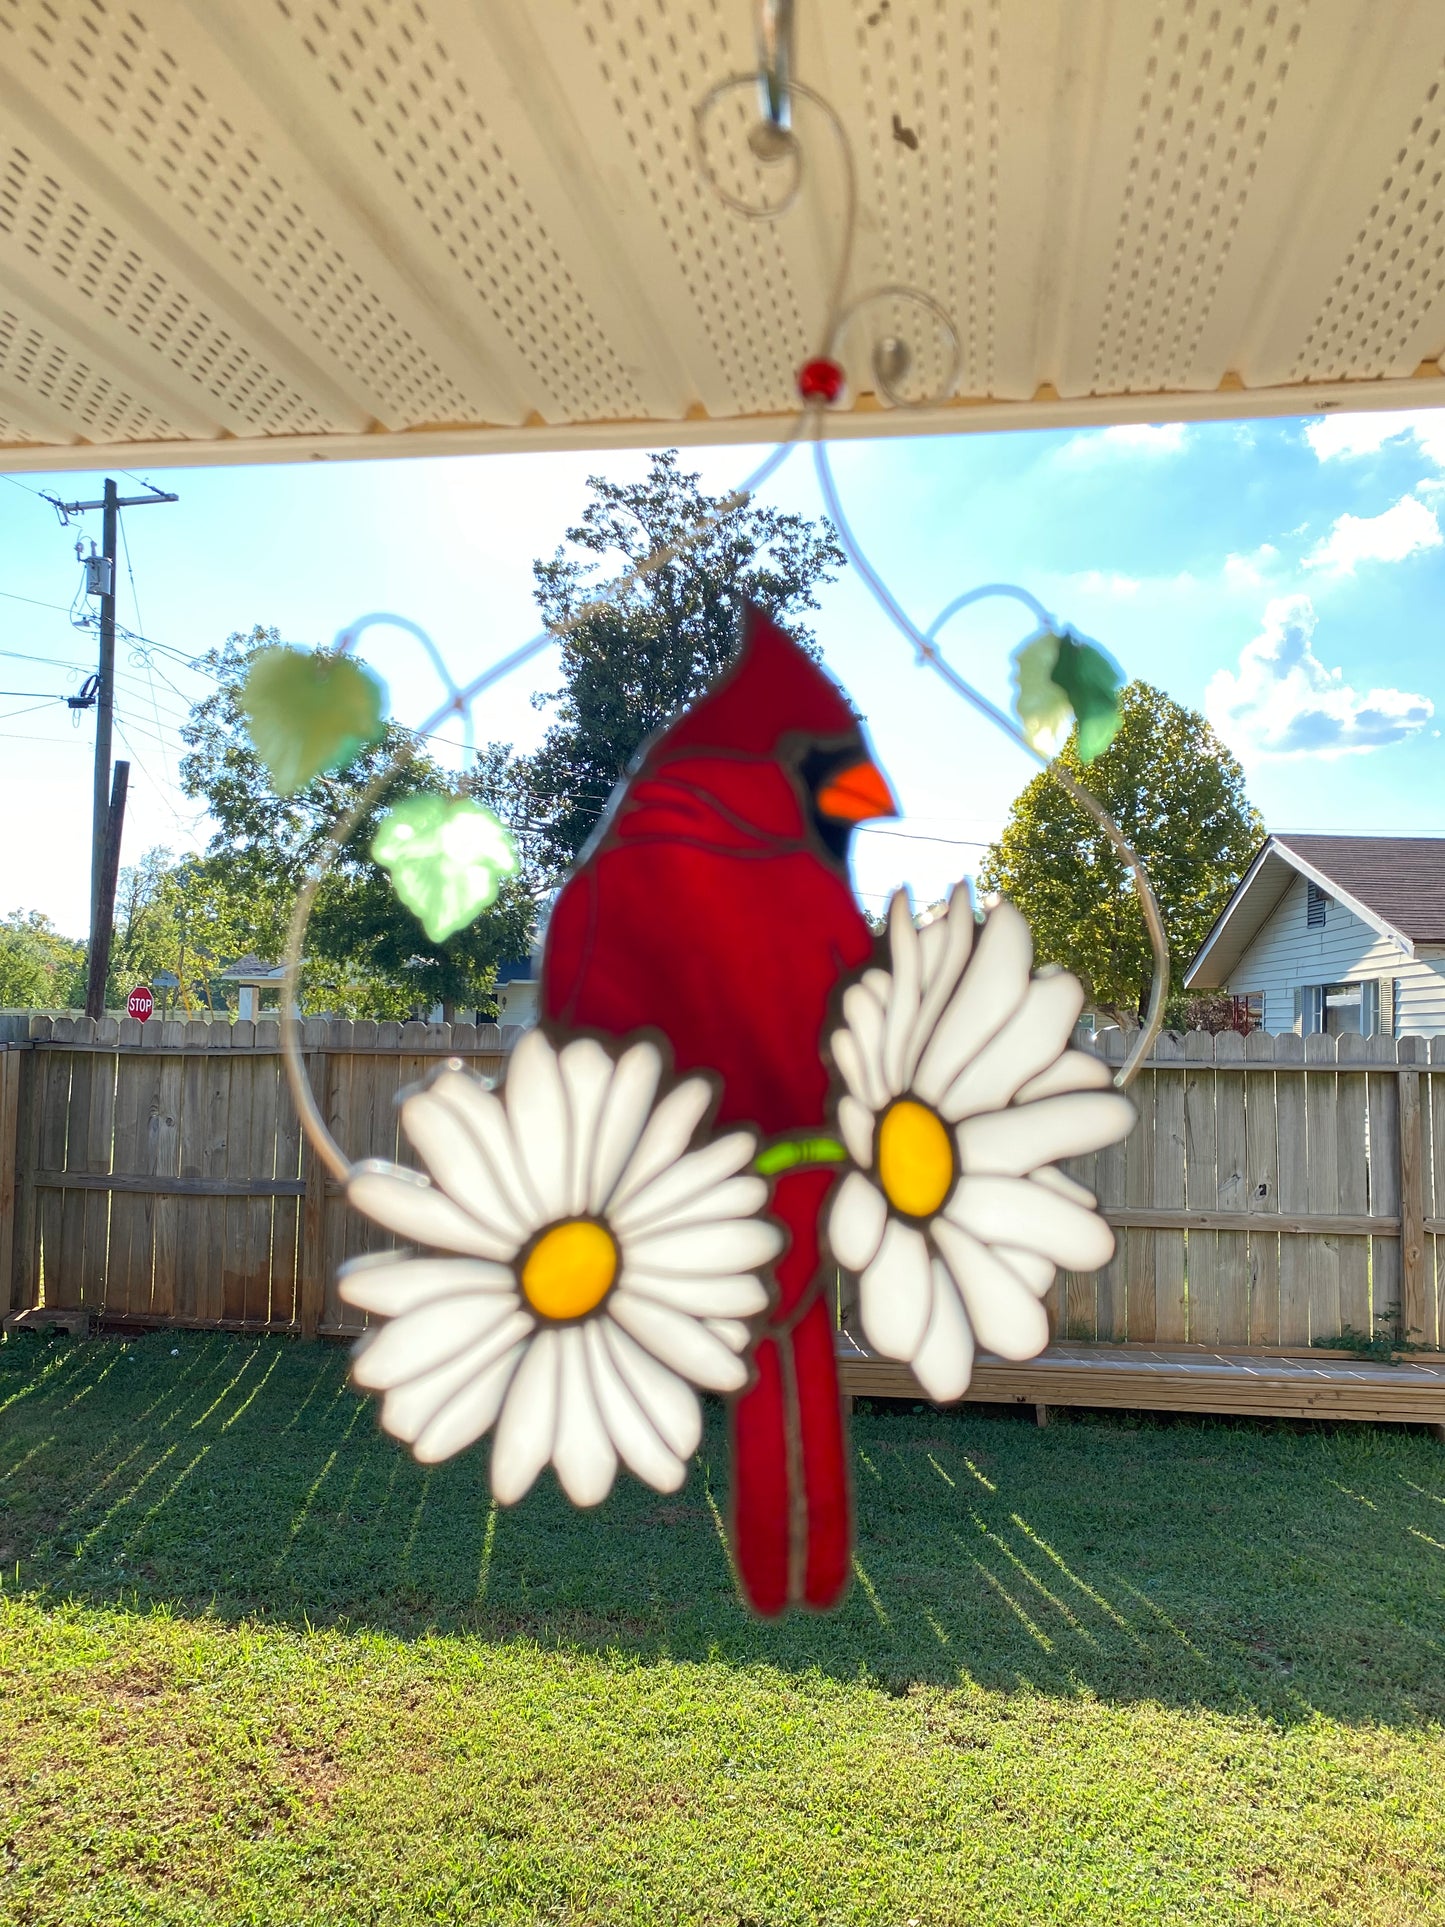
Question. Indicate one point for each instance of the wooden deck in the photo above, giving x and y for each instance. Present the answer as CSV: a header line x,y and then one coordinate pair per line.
x,y
1184,1378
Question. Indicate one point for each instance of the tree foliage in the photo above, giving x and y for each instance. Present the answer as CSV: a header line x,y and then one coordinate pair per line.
x,y
1179,796
39,968
367,955
628,668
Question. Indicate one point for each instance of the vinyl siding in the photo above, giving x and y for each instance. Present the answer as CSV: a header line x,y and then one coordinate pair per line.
x,y
1287,953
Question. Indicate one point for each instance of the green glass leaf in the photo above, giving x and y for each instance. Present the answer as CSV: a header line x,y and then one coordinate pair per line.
x,y
1060,678
1041,706
306,713
446,857
1091,680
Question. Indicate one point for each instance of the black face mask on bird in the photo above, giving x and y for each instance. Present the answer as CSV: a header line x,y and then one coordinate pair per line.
x,y
846,788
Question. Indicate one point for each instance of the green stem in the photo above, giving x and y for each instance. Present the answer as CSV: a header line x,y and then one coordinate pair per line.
x,y
795,1153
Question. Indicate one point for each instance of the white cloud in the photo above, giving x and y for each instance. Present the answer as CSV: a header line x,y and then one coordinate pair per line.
x,y
1400,531
1345,437
1125,438
1250,571
1283,701
1101,582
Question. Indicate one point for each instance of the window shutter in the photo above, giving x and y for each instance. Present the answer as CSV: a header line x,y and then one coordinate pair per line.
x,y
1369,1009
1386,1026
1315,902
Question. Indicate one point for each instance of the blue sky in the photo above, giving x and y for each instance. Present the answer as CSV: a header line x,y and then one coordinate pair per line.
x,y
1288,577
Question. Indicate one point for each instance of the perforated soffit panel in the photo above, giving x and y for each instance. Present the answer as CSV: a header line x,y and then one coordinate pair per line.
x,y
240,230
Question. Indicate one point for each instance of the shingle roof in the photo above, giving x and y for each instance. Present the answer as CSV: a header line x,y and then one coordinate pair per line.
x,y
1400,878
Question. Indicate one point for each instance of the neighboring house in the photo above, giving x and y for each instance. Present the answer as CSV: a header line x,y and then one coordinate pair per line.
x,y
1337,934
516,991
253,978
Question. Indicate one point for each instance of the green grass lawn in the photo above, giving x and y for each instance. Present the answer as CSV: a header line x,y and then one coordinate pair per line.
x,y
257,1667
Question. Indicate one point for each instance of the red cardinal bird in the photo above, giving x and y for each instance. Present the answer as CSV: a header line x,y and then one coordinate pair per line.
x,y
714,905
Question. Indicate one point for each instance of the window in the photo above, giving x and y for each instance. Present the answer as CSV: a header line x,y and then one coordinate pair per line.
x,y
1315,905
1345,1009
1309,1009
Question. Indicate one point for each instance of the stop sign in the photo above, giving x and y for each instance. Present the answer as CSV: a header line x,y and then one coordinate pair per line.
x,y
140,1003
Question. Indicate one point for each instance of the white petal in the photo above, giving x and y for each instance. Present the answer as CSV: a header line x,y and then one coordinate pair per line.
x,y
1076,1070
895,1292
692,1176
880,982
537,1113
943,1363
742,1197
483,1114
683,1343
861,1082
419,1341
1006,1317
586,1079
943,961
855,1125
390,1283
1008,1143
624,1113
1035,1034
1037,1272
407,1410
468,1413
739,1295
631,1431
865,1019
1015,1211
528,1425
665,1137
437,1121
899,1043
1066,1186
988,993
669,1402
703,1250
406,1203
584,1455
733,1333
856,1222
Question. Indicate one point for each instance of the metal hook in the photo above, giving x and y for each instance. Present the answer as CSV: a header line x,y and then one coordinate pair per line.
x,y
775,61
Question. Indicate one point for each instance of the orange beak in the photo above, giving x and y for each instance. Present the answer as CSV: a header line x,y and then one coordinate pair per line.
x,y
857,794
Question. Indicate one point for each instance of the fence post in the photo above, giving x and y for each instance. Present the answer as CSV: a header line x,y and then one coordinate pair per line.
x,y
311,1286
1412,1193
10,1062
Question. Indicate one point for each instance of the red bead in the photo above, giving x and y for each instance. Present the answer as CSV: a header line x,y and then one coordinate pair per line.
x,y
820,380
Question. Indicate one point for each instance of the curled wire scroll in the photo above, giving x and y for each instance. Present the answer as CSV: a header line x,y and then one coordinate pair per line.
x,y
891,359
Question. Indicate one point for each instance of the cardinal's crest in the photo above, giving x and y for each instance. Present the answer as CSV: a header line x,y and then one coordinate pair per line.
x,y
743,1120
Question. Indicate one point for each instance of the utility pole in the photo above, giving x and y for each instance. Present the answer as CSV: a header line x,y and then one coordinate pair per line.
x,y
102,904
99,961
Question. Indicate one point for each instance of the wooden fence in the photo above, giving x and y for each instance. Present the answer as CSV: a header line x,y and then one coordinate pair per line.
x,y
156,1174
1275,1191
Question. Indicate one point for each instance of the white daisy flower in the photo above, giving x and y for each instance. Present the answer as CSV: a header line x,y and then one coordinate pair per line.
x,y
961,1094
603,1269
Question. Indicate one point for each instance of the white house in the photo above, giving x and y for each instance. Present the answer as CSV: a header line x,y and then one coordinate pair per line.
x,y
1336,934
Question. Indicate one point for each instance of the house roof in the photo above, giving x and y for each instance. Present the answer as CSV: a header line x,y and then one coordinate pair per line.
x,y
252,969
1396,884
270,233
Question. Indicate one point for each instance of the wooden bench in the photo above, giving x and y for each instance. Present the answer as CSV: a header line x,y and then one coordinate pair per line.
x,y
1182,1378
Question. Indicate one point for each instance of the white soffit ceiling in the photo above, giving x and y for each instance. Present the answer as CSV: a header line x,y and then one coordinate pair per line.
x,y
237,230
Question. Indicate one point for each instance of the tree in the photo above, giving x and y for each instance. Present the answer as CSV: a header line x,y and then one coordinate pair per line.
x,y
1179,797
39,968
367,955
188,917
631,666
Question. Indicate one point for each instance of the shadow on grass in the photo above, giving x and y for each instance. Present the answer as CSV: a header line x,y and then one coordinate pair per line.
x,y
1245,1566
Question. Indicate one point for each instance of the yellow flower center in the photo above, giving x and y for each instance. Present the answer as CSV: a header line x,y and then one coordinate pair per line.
x,y
570,1269
915,1158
